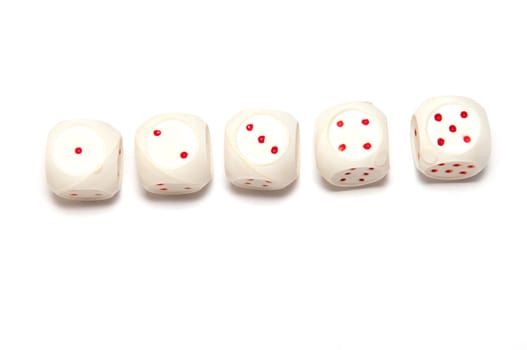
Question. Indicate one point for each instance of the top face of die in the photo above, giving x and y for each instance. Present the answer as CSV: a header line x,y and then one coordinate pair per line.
x,y
170,140
262,139
262,136
80,147
78,150
454,128
171,143
355,133
452,124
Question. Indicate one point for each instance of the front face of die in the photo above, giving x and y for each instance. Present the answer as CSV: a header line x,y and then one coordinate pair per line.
x,y
351,147
451,138
261,150
83,160
173,154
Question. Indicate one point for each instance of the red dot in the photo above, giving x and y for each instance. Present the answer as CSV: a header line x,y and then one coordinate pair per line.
x,y
74,194
342,180
249,127
342,147
160,184
415,132
466,139
457,164
367,146
348,173
361,180
438,117
163,189
157,132
78,150
365,121
448,171
183,155
441,164
366,174
452,128
371,168
464,114
434,170
471,166
261,139
463,173
274,150
353,169
340,123
440,141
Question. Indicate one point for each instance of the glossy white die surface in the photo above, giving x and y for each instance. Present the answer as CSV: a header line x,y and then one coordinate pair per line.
x,y
262,149
450,138
84,160
173,154
351,145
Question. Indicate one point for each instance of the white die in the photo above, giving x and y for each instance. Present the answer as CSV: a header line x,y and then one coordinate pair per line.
x,y
351,145
84,160
262,149
173,155
450,138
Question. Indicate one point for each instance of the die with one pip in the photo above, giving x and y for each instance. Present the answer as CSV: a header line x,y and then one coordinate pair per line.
x,y
84,160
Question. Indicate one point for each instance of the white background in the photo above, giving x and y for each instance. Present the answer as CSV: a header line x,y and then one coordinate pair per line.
x,y
405,265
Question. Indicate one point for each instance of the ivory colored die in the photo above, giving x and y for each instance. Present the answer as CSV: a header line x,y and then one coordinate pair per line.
x,y
173,154
450,138
262,149
84,160
351,145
